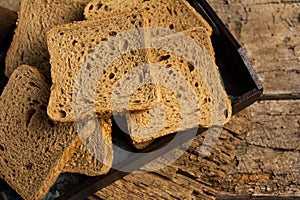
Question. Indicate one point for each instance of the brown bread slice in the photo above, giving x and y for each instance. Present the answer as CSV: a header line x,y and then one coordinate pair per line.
x,y
33,149
74,50
89,162
29,46
36,17
174,14
140,129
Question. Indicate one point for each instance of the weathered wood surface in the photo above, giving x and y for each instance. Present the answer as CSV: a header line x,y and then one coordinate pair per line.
x,y
268,161
10,4
269,31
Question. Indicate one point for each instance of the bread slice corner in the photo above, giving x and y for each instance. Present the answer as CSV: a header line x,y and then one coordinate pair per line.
x,y
34,150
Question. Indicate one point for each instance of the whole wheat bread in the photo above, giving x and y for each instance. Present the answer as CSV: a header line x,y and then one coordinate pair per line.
x,y
31,163
29,46
81,69
88,161
33,149
36,17
174,14
205,83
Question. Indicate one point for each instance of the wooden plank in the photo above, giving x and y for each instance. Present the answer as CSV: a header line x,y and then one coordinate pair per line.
x,y
264,171
268,162
269,32
275,124
10,4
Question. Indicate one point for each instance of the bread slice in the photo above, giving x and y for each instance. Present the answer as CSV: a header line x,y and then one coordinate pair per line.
x,y
206,84
85,74
174,14
89,162
36,17
33,149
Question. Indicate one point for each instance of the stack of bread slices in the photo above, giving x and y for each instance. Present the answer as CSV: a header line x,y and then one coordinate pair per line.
x,y
74,64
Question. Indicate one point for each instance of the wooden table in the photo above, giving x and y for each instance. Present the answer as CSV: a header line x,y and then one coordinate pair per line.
x,y
268,161
264,138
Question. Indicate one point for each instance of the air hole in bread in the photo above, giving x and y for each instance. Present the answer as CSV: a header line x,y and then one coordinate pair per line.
x,y
46,150
34,85
162,58
111,75
91,7
61,33
29,166
88,66
29,116
104,71
226,113
196,84
74,42
171,72
104,39
171,26
62,114
191,67
91,51
169,10
99,5
1,148
106,8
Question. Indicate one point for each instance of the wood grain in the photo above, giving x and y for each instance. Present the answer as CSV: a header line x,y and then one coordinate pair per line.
x,y
269,32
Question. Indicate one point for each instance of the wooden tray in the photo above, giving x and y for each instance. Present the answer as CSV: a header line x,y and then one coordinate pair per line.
x,y
241,84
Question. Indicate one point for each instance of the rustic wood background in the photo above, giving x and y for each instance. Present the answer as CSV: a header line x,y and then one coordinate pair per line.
x,y
259,150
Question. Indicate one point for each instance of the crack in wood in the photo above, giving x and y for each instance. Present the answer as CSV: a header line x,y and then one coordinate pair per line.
x,y
284,96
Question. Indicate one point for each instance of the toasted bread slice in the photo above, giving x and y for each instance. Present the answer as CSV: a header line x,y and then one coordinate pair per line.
x,y
36,17
85,74
33,149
